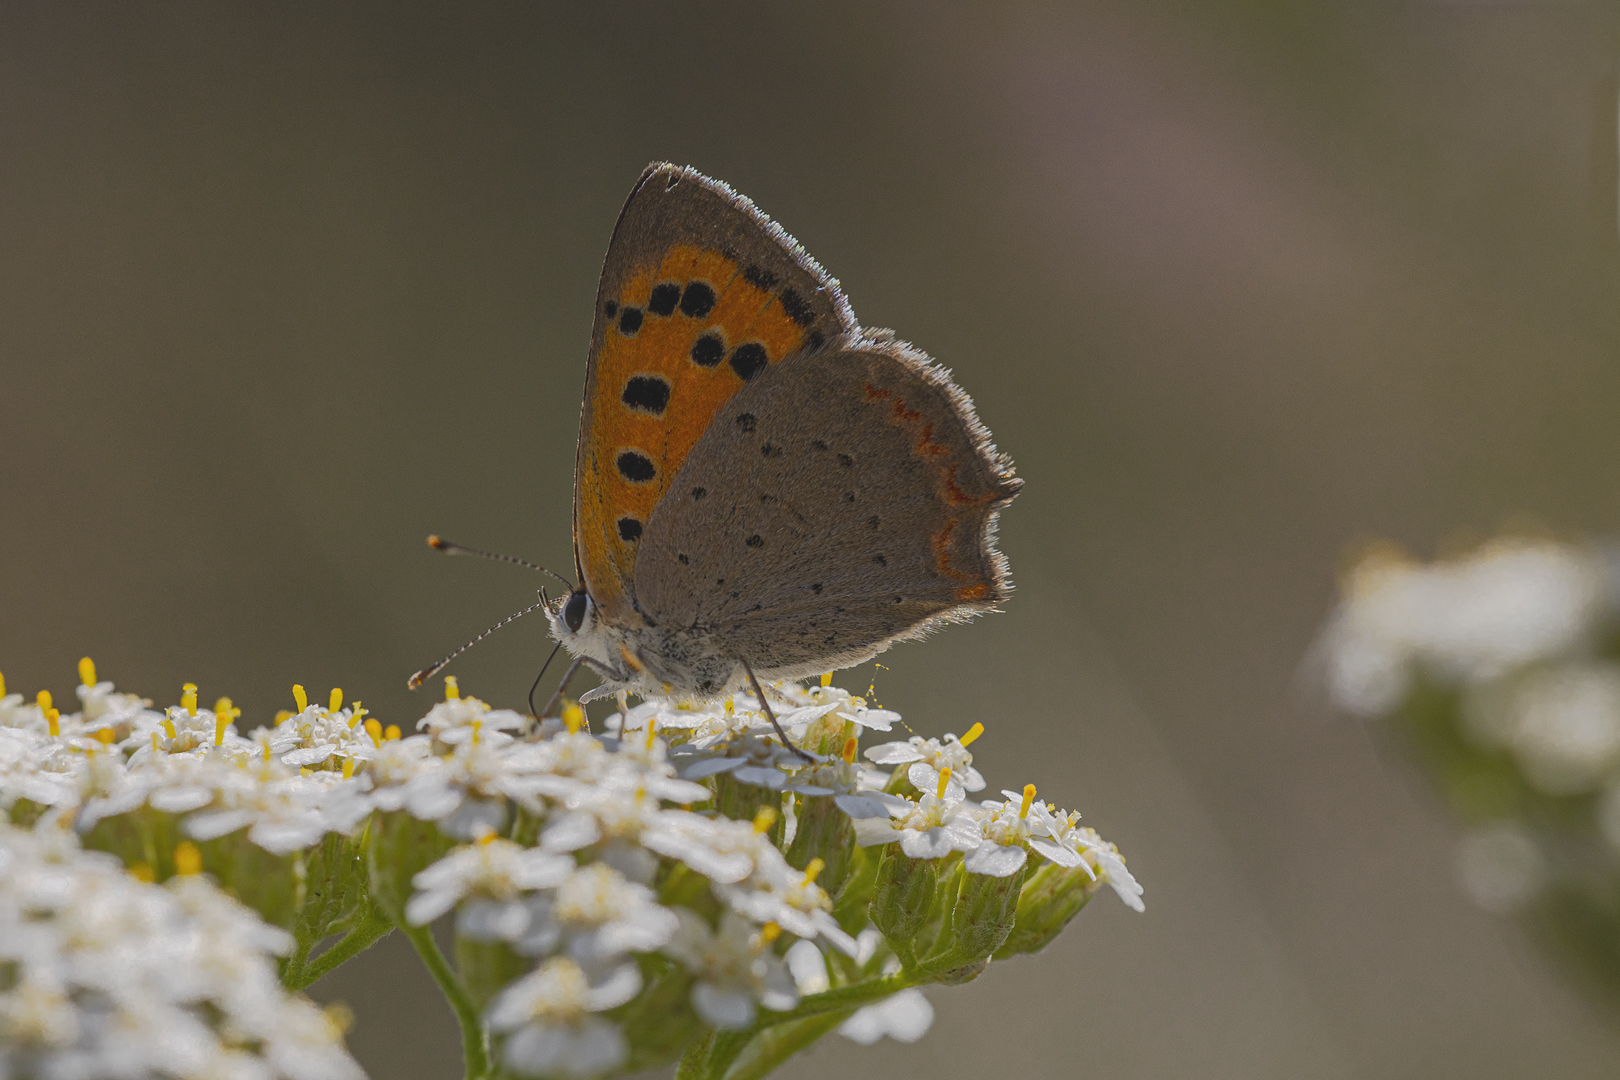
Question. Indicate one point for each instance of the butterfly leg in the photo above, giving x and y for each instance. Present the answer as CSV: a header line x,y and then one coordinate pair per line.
x,y
759,692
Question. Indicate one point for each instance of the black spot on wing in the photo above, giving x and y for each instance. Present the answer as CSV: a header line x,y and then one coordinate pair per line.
x,y
708,350
797,307
664,298
648,393
698,300
629,530
611,308
746,422
635,466
748,360
755,541
758,276
629,321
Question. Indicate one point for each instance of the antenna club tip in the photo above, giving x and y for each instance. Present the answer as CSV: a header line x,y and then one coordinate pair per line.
x,y
415,681
436,542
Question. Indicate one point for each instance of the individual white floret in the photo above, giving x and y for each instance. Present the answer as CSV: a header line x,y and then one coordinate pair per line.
x,y
734,970
929,758
930,828
494,868
597,915
547,1020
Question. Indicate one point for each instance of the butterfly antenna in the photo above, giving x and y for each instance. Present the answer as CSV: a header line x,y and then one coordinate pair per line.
x,y
415,681
449,547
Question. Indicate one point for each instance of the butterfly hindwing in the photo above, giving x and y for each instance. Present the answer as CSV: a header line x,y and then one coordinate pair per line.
x,y
849,499
700,294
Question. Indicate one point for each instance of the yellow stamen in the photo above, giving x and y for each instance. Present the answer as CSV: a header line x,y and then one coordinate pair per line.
x,y
392,734
476,724
154,742
573,718
142,872
826,678
224,713
849,750
188,698
814,870
487,837
87,671
348,768
303,771
43,700
301,698
267,750
1029,800
168,728
187,859
2,684
764,819
53,718
374,728
972,733
731,707
105,736
769,933
652,732
944,781
358,714
335,702
281,716
452,689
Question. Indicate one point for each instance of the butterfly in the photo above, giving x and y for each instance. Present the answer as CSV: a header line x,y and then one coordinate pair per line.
x,y
764,489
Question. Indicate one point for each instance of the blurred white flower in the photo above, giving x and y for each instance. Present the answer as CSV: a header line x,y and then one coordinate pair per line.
x,y
1500,867
109,976
1506,604
734,970
904,1017
547,1020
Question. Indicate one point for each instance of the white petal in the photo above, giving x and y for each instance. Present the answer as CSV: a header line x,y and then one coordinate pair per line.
x,y
212,826
1060,855
862,806
762,776
993,860
934,843
570,833
728,1010
620,987
177,800
424,907
869,832
875,719
893,753
906,1016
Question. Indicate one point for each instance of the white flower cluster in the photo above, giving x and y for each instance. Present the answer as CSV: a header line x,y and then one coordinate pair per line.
x,y
1517,639
601,866
107,976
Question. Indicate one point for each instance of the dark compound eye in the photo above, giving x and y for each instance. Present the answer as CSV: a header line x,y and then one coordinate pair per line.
x,y
574,611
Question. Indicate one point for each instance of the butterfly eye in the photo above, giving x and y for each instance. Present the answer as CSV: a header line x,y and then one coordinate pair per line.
x,y
574,611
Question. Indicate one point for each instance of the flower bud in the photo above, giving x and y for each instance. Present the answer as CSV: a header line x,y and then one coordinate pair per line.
x,y
659,1021
824,833
982,916
400,847
1051,896
902,897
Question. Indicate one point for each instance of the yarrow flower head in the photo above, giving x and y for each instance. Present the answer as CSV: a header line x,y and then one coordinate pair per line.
x,y
615,893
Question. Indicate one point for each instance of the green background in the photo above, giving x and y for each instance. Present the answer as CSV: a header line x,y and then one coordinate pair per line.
x,y
284,288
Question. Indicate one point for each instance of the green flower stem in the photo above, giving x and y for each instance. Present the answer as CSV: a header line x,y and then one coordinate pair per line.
x,y
773,1047
473,1054
695,1062
839,1002
356,941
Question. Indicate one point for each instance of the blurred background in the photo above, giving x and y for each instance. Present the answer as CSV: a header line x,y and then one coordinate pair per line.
x,y
285,288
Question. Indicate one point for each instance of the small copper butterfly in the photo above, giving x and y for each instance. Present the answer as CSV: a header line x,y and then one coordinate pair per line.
x,y
763,487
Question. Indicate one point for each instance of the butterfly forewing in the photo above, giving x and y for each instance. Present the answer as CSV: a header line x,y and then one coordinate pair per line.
x,y
700,294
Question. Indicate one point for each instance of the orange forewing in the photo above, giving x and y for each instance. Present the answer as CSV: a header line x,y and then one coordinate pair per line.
x,y
743,313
